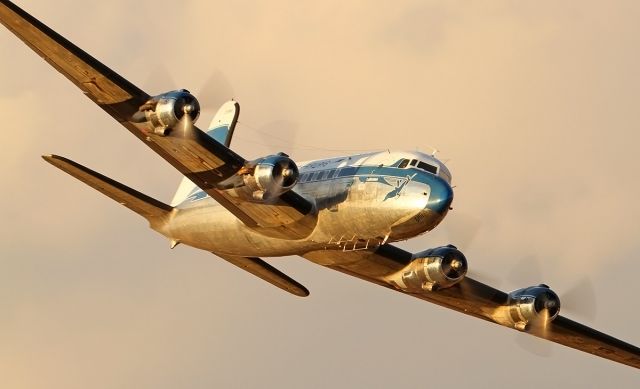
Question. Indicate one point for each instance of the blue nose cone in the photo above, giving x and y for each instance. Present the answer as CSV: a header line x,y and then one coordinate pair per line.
x,y
441,196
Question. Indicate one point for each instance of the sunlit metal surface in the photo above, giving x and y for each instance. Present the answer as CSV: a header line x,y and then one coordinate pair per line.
x,y
361,207
339,212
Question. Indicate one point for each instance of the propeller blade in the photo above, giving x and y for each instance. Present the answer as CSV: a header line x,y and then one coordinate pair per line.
x,y
526,272
462,228
215,90
534,345
212,93
160,79
185,126
581,300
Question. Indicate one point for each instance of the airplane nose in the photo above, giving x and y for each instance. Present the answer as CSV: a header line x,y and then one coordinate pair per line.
x,y
440,197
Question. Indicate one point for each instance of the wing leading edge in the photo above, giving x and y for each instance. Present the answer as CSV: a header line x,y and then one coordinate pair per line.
x,y
198,156
151,209
476,299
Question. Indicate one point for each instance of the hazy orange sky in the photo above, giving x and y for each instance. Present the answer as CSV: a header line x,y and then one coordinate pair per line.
x,y
533,104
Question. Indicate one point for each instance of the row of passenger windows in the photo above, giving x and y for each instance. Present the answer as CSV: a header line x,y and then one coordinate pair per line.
x,y
419,164
321,175
350,170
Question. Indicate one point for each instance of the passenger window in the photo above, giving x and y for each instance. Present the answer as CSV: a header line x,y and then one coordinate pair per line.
x,y
403,164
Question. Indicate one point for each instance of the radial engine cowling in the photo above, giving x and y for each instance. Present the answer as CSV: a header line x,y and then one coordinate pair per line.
x,y
165,111
432,269
536,305
271,176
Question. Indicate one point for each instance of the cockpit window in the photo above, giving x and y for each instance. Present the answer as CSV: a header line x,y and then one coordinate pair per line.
x,y
413,162
403,164
427,167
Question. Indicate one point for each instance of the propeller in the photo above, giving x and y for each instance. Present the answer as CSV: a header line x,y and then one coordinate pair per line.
x,y
463,228
214,91
284,174
189,109
579,299
534,344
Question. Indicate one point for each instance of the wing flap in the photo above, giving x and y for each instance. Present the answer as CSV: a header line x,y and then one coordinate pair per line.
x,y
262,269
476,299
148,207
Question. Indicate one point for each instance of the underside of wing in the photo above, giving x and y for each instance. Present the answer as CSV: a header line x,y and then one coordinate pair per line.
x,y
161,123
473,298
262,269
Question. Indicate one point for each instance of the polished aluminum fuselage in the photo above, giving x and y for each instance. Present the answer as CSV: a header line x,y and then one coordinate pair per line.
x,y
361,202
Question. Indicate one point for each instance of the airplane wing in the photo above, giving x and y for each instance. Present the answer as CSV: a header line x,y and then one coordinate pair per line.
x,y
476,299
262,269
197,156
151,209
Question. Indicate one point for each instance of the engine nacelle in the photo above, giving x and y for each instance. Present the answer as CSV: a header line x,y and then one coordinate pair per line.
x,y
536,305
270,176
432,269
165,111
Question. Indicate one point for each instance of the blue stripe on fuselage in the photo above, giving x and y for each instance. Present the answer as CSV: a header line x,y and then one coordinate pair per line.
x,y
439,198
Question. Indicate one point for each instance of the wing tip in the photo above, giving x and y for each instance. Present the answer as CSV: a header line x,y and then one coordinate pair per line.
x,y
51,157
300,291
57,160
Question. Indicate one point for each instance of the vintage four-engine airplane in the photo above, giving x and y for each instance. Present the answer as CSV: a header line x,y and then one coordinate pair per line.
x,y
342,213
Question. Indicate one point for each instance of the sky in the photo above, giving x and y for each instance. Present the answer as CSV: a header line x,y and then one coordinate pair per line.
x,y
533,105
